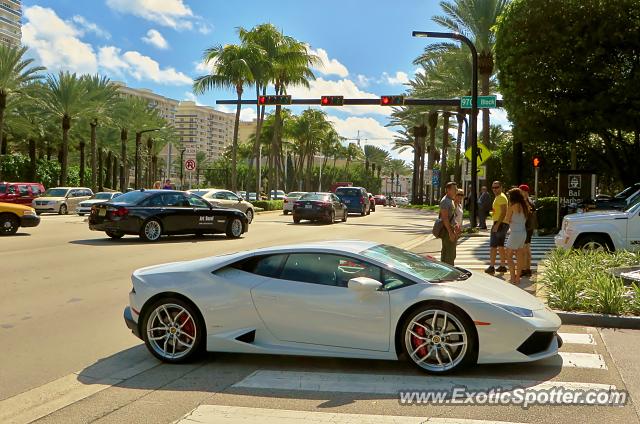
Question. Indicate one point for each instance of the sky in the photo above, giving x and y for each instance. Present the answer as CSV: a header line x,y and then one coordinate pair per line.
x,y
365,46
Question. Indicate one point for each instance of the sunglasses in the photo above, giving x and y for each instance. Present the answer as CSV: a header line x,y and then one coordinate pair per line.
x,y
494,187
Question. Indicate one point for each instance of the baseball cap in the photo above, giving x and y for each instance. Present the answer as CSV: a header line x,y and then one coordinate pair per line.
x,y
524,187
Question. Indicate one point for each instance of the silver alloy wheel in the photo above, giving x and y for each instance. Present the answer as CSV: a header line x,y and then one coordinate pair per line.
x,y
236,227
436,340
152,230
171,331
63,210
249,215
594,245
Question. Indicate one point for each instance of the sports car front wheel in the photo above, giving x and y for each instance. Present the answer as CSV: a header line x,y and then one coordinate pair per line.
x,y
439,338
173,330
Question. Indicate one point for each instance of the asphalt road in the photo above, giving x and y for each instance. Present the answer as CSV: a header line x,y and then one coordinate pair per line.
x,y
68,357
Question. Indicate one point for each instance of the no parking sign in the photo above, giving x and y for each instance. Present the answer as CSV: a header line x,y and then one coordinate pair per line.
x,y
190,165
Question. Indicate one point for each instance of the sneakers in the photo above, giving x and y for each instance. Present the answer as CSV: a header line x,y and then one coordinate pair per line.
x,y
491,270
502,268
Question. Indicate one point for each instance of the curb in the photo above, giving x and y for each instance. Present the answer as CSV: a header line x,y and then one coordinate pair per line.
x,y
598,320
265,212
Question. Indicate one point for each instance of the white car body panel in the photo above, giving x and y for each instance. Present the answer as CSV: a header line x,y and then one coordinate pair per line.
x,y
297,318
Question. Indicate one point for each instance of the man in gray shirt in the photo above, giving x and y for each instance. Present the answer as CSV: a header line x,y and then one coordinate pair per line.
x,y
448,217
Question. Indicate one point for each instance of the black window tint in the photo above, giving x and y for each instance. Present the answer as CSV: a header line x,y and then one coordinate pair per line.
x,y
331,270
220,195
153,201
174,200
392,281
23,189
266,266
35,190
197,202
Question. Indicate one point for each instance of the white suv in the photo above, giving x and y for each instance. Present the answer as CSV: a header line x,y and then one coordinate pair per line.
x,y
612,230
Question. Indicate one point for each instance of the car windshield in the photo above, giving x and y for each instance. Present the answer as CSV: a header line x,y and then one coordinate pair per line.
x,y
295,194
55,192
348,192
102,196
633,208
627,192
415,265
315,196
133,197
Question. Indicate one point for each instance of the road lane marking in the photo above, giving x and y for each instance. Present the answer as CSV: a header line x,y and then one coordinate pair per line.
x,y
582,360
392,384
219,414
575,338
51,397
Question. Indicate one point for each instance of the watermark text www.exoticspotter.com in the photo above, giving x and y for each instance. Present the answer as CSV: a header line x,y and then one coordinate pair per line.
x,y
523,396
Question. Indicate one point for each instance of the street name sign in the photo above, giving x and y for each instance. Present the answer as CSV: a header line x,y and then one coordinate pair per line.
x,y
484,102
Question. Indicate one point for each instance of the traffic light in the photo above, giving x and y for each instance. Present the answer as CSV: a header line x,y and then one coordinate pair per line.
x,y
537,161
391,100
274,100
332,100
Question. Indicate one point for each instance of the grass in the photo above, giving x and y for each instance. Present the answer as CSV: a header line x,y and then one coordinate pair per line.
x,y
577,280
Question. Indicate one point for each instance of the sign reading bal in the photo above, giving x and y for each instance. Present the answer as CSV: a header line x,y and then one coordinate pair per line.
x,y
575,188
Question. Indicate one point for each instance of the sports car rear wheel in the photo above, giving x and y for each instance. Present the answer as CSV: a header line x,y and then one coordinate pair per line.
x,y
173,330
438,339
234,228
151,230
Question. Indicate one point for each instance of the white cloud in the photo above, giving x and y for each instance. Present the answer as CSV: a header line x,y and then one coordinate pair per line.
x,y
171,13
343,87
246,113
329,66
202,67
189,96
110,59
56,43
143,67
397,79
91,27
204,28
156,39
370,131
363,81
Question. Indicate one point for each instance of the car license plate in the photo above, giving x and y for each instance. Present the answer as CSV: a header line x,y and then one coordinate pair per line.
x,y
308,206
102,212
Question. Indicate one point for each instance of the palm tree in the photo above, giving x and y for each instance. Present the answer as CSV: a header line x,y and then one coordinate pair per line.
x,y
477,18
231,69
307,130
15,73
65,98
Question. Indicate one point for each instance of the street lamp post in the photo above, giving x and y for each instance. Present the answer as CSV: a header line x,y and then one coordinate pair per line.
x,y
137,159
474,109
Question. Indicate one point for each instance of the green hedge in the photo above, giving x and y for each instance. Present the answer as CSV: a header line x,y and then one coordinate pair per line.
x,y
269,205
546,210
578,280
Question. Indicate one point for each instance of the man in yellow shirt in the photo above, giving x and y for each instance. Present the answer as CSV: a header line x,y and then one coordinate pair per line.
x,y
499,228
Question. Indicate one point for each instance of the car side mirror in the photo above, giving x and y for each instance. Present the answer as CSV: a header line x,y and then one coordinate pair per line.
x,y
364,284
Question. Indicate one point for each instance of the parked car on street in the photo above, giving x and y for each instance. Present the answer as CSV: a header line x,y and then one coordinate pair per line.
x,y
601,230
61,199
325,207
14,216
380,199
401,201
290,199
621,201
356,199
355,299
277,194
226,199
22,193
154,213
103,196
372,202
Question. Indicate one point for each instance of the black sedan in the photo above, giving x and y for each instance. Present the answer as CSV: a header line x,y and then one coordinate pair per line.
x,y
154,213
325,207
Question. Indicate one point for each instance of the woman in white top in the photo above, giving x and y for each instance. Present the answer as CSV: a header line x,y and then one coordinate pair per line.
x,y
458,202
516,217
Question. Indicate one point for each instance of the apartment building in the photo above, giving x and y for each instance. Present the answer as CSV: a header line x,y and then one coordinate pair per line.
x,y
166,107
11,22
203,129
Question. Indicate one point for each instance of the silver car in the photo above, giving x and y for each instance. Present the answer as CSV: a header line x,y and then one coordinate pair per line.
x,y
60,199
103,196
226,199
290,199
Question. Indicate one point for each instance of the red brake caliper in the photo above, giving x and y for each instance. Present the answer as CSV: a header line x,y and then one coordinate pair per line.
x,y
187,326
417,342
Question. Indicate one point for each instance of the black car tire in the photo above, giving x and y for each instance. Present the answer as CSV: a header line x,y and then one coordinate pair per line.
x,y
8,224
369,211
80,214
332,217
296,220
364,211
151,230
234,228
250,215
114,234
198,326
285,212
344,217
63,210
593,242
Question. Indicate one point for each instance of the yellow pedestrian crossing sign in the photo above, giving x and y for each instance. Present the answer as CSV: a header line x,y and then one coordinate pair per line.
x,y
483,154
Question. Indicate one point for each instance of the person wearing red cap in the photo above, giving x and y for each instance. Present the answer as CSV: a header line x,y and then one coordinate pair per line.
x,y
531,225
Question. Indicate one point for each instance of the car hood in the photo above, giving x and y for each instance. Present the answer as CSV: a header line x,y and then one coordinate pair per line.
x,y
14,207
595,215
485,288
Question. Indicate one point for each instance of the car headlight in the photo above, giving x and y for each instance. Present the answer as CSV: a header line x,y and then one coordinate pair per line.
x,y
28,213
516,310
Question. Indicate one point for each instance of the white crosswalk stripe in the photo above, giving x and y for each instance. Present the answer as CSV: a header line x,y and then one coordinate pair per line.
x,y
474,252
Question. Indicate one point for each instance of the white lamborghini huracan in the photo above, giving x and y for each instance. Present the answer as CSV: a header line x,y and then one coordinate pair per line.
x,y
351,299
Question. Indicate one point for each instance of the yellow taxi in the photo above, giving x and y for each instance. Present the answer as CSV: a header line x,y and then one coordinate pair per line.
x,y
14,216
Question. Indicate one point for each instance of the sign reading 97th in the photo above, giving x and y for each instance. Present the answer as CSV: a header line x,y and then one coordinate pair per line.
x,y
575,188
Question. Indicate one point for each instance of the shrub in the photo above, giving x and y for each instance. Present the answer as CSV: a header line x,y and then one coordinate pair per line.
x,y
546,211
269,205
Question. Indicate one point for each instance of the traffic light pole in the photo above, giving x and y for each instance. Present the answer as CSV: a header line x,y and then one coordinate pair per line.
x,y
535,184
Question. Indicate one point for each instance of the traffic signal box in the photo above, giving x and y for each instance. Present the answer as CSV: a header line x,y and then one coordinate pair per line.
x,y
537,161
332,100
391,100
274,100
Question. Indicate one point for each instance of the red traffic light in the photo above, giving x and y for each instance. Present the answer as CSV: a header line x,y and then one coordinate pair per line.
x,y
262,100
332,100
391,100
274,100
536,162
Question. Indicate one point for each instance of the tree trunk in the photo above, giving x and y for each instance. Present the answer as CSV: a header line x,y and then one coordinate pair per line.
x,y
154,168
234,147
99,168
114,172
574,155
64,171
433,123
148,173
445,146
3,143
82,164
123,159
60,163
32,159
92,154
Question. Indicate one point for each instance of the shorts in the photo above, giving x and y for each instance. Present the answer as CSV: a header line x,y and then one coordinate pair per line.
x,y
529,235
497,238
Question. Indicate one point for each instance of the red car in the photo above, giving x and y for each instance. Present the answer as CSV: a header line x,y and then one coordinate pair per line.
x,y
380,199
22,193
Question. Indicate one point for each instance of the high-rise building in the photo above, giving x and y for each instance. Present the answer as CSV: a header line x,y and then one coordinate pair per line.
x,y
11,22
166,107
203,129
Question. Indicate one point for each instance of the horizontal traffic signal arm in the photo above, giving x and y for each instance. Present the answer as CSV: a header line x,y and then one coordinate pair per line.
x,y
408,101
